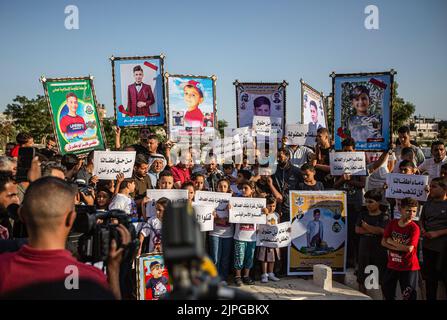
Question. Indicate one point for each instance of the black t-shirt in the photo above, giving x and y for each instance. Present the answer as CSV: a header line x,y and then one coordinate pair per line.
x,y
434,217
371,243
141,150
317,187
158,286
321,175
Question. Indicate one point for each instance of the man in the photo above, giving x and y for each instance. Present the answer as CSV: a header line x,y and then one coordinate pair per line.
x,y
432,166
321,158
213,174
139,96
53,169
148,143
142,181
72,125
8,196
23,139
86,171
44,260
405,141
182,171
73,164
50,149
313,124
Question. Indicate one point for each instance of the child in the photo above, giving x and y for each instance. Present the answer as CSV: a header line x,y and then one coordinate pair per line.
x,y
363,125
123,201
242,176
158,281
261,106
370,226
408,154
193,96
309,184
244,244
433,224
268,256
401,238
191,191
221,238
152,229
165,181
198,180
229,172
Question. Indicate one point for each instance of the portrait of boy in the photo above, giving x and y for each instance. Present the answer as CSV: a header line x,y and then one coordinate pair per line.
x,y
157,282
72,125
140,96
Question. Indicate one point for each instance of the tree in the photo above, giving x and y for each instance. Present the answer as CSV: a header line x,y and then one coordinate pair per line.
x,y
221,125
31,115
402,110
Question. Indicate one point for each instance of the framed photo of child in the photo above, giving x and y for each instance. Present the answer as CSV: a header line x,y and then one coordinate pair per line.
x,y
152,277
76,123
191,104
138,91
260,99
363,109
313,111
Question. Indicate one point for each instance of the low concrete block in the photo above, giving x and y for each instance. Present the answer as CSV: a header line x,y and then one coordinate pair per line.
x,y
322,276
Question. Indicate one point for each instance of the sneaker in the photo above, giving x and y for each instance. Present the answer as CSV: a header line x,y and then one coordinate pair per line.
x,y
238,281
272,277
264,278
248,281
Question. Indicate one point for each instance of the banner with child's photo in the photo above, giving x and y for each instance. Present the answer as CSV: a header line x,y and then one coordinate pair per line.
x,y
191,104
138,91
76,123
260,99
318,231
363,109
152,277
313,111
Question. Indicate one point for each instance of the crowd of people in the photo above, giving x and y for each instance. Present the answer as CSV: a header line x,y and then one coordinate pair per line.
x,y
400,237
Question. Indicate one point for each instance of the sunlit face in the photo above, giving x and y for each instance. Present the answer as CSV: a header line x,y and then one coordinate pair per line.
x,y
404,138
138,76
322,138
72,103
157,166
409,213
262,110
153,145
247,191
187,160
191,193
166,182
406,170
29,143
51,144
192,97
159,211
141,170
271,207
9,195
131,187
308,175
199,183
438,152
372,205
212,166
314,114
223,186
102,199
361,104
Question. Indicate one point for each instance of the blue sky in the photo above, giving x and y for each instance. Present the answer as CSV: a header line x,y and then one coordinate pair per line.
x,y
245,40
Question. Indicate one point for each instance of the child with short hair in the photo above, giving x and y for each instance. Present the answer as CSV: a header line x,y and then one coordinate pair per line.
x,y
309,184
242,177
244,243
151,230
370,226
268,256
198,180
433,224
165,180
193,97
191,191
401,238
221,237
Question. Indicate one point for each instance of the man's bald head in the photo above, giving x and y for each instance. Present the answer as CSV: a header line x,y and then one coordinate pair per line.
x,y
46,203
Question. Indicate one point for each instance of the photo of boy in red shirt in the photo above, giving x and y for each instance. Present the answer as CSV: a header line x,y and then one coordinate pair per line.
x,y
72,125
193,97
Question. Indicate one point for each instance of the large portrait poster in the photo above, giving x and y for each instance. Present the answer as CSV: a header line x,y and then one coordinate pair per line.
x,y
260,99
72,104
319,231
362,109
313,111
138,91
191,106
152,277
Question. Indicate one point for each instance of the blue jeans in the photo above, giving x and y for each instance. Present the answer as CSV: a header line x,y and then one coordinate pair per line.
x,y
220,251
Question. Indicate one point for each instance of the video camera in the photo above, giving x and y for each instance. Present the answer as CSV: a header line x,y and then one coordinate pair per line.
x,y
95,230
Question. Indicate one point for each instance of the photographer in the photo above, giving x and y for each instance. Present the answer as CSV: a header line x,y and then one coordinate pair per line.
x,y
44,260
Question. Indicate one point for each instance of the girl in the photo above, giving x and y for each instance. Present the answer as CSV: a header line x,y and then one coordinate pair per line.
x,y
268,256
150,234
221,238
244,243
191,191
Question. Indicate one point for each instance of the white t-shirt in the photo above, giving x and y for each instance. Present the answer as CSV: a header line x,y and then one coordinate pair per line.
x,y
152,229
272,219
377,179
432,168
123,202
245,232
222,230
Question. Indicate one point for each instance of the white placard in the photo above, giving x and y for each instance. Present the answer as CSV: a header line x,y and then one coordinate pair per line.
x,y
175,195
247,210
218,199
299,135
265,125
204,216
353,163
107,164
274,236
406,186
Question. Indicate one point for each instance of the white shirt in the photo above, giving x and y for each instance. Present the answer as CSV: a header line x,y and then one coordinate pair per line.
x,y
300,156
152,229
432,168
121,202
222,230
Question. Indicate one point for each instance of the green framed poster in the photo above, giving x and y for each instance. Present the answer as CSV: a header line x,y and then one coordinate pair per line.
x,y
76,123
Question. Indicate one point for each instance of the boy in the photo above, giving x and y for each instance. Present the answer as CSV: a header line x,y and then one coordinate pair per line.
x,y
261,106
198,180
370,226
139,96
72,125
158,282
242,176
309,184
433,224
193,97
401,238
123,200
315,231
